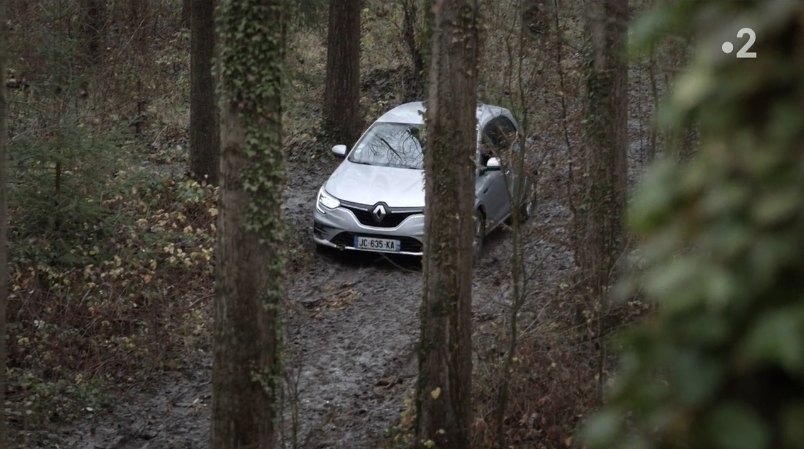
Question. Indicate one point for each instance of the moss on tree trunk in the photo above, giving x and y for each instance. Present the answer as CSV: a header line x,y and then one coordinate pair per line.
x,y
602,181
250,258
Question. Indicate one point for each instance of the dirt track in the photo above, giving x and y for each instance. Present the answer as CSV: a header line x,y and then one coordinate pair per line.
x,y
351,327
351,331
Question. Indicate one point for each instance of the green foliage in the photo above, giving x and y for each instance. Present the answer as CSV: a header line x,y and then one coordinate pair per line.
x,y
64,154
56,400
61,177
63,166
721,364
120,309
308,13
111,259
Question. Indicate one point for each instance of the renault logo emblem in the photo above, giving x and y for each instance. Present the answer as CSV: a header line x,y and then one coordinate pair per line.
x,y
379,213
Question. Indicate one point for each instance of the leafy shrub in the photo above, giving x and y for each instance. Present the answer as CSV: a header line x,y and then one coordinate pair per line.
x,y
721,364
62,175
137,296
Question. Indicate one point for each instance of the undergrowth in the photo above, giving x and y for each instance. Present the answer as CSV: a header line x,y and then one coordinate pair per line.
x,y
119,309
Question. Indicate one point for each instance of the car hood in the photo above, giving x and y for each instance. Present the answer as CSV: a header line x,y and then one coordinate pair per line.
x,y
371,184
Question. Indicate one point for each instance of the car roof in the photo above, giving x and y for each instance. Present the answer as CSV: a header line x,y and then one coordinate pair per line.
x,y
413,113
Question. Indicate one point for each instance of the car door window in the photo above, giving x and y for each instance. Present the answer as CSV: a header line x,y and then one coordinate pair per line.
x,y
497,137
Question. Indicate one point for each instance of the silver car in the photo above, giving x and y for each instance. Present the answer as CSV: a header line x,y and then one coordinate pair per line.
x,y
374,201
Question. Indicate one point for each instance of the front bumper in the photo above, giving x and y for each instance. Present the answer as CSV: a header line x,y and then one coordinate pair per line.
x,y
337,228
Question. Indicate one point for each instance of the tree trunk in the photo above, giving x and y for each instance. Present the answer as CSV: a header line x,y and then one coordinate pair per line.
x,y
342,118
415,85
3,219
204,136
602,189
603,181
138,19
249,253
443,398
186,12
93,24
653,136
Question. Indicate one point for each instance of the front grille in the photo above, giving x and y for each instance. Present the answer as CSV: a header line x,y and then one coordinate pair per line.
x,y
393,218
407,244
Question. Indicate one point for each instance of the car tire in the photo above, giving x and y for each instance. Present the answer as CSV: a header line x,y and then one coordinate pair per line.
x,y
480,235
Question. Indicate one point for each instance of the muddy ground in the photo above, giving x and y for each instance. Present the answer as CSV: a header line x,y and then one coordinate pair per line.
x,y
352,321
351,332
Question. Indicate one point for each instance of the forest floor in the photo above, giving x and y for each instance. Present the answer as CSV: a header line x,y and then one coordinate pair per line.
x,y
352,324
351,331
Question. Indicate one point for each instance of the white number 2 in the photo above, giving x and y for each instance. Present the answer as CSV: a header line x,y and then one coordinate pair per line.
x,y
752,37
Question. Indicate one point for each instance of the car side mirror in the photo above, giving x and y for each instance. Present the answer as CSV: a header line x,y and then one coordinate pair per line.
x,y
493,164
339,150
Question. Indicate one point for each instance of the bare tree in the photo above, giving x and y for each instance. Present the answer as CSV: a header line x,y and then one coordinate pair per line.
x,y
443,398
342,117
204,136
3,219
138,14
93,23
250,261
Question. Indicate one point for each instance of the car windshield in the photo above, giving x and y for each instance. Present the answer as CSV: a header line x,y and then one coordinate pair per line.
x,y
391,145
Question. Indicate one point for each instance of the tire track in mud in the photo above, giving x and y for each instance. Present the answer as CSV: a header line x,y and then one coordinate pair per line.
x,y
354,360
351,338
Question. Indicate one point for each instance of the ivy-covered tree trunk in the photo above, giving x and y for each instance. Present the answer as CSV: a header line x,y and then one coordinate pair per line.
x,y
204,137
3,219
602,181
342,87
444,389
249,257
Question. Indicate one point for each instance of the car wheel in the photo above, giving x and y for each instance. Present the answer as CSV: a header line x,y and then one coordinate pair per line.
x,y
480,234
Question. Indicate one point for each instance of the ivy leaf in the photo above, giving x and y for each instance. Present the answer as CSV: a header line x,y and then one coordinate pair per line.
x,y
735,426
697,376
602,428
436,393
777,336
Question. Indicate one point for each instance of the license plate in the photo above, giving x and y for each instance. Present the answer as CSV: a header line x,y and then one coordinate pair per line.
x,y
375,244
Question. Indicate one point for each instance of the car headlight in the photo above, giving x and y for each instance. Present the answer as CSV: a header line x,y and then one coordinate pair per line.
x,y
327,200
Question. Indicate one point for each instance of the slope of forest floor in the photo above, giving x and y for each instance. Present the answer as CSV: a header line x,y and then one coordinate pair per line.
x,y
351,329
